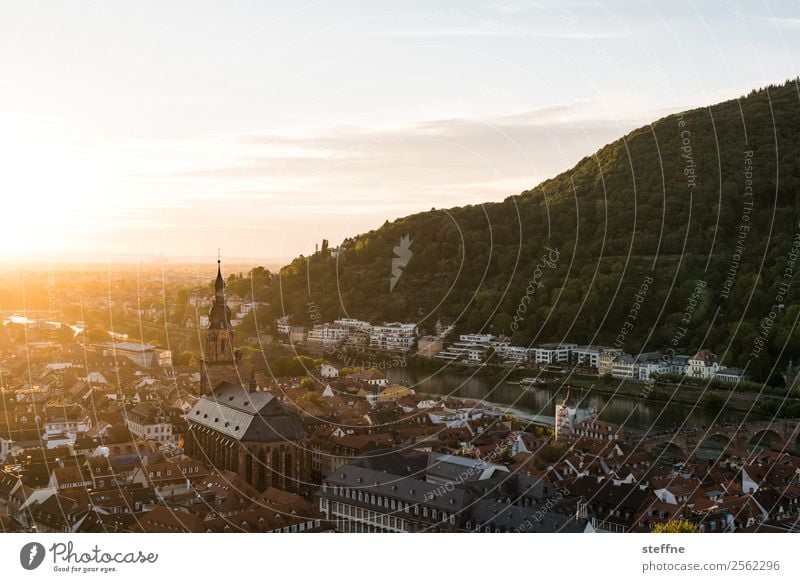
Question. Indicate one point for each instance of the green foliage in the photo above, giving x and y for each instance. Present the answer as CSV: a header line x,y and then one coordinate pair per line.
x,y
675,526
296,366
185,359
626,213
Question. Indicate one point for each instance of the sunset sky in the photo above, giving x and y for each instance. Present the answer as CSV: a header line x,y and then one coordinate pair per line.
x,y
129,129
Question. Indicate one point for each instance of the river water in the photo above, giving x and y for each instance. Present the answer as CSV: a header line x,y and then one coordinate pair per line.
x,y
538,403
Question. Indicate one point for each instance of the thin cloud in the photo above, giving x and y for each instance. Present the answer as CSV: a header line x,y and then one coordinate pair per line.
x,y
500,32
788,23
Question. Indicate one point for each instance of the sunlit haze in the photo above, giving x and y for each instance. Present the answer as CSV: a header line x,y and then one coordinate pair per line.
x,y
137,129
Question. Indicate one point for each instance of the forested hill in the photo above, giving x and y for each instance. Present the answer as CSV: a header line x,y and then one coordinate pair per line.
x,y
678,234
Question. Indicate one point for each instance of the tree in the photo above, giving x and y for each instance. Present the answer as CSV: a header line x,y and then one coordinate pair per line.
x,y
675,526
97,335
185,359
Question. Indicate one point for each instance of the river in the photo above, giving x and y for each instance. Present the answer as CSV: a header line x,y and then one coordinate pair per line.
x,y
538,403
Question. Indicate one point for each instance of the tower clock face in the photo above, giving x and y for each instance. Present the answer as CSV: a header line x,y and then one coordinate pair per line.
x,y
223,335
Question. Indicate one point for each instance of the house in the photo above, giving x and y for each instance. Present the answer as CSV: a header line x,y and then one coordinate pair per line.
x,y
587,356
393,337
327,371
651,363
70,477
703,365
555,353
65,419
369,376
148,421
625,367
605,362
674,490
410,491
469,349
327,335
511,355
731,375
394,392
678,365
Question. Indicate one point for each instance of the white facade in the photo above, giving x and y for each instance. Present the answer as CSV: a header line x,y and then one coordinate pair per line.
x,y
353,323
158,430
393,337
651,363
282,325
730,375
553,353
328,335
328,371
470,349
625,367
516,355
588,356
703,365
68,425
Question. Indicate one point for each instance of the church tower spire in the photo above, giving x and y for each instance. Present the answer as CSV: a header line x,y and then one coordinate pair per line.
x,y
219,335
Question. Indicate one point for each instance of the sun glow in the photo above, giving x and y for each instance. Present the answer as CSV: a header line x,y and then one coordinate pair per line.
x,y
50,187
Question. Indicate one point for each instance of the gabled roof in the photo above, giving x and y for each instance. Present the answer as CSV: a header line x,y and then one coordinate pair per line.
x,y
246,416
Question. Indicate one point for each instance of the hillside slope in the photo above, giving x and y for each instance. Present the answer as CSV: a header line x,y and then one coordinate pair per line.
x,y
677,234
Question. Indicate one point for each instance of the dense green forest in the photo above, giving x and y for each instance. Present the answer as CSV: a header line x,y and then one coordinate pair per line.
x,y
679,234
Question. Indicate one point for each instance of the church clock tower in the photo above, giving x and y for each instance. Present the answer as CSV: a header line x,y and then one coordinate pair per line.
x,y
219,335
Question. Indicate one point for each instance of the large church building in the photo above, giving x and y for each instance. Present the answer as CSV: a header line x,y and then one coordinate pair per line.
x,y
242,429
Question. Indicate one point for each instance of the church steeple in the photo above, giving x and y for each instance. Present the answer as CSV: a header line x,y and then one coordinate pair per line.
x,y
219,336
219,284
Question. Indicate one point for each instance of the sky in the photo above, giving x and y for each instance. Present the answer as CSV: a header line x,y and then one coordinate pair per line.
x,y
136,129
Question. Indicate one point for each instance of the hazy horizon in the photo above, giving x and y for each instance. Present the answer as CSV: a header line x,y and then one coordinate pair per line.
x,y
130,132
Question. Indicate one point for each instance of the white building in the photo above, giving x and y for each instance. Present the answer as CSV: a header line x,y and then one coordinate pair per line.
x,y
393,337
327,335
5,448
148,422
470,348
651,363
606,361
678,364
249,306
588,356
625,367
283,325
732,375
70,419
703,365
567,418
514,355
553,353
328,371
353,324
